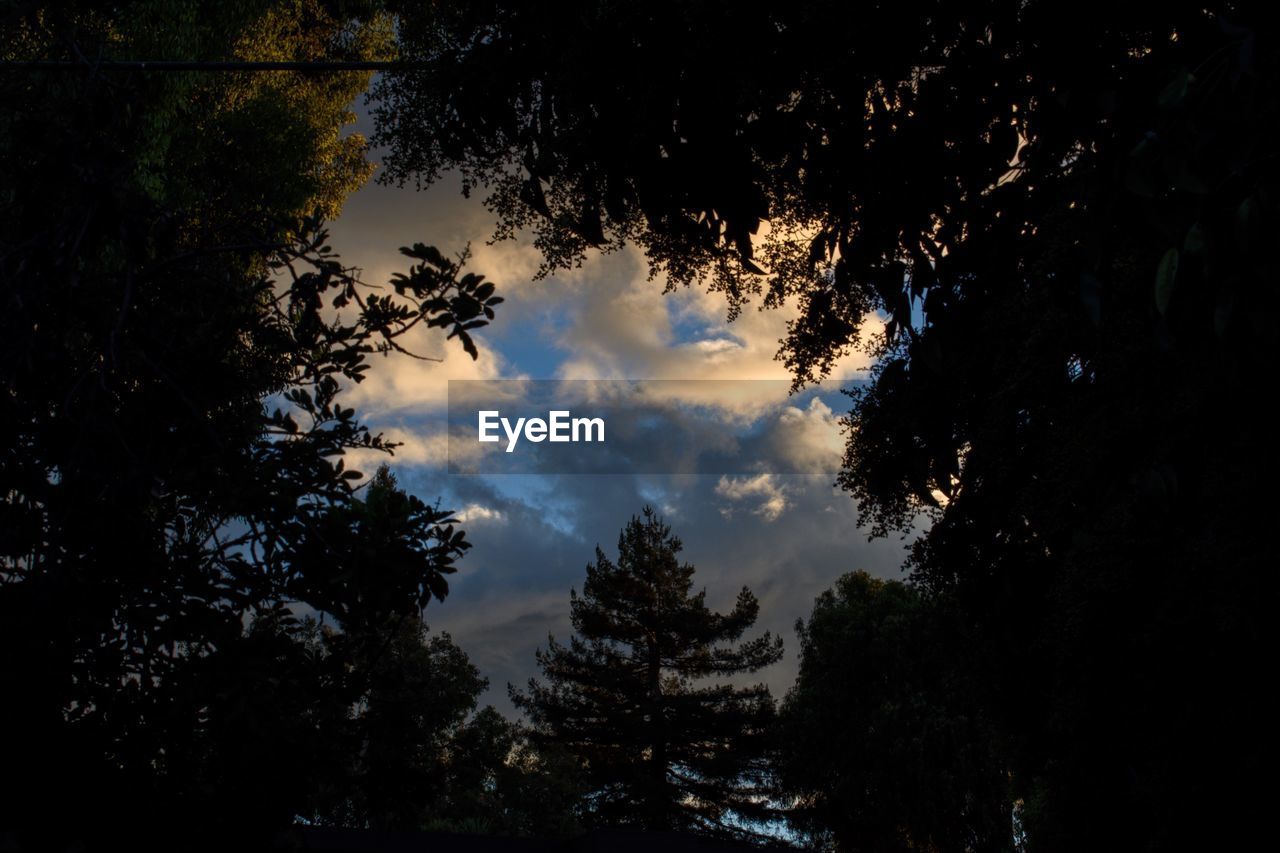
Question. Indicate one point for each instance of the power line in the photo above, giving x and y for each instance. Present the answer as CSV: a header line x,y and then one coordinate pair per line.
x,y
165,65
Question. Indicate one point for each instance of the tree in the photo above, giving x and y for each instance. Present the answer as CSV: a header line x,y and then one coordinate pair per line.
x,y
177,338
1058,222
404,693
399,697
388,710
501,783
408,695
661,750
883,744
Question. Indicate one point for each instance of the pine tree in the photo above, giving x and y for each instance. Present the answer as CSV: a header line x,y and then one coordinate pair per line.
x,y
664,746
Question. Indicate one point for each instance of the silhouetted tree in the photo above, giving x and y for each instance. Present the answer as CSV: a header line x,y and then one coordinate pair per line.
x,y
406,692
883,745
413,693
661,749
1061,218
174,346
409,750
501,783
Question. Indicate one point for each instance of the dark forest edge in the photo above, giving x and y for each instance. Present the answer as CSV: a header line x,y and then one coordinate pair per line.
x,y
1062,214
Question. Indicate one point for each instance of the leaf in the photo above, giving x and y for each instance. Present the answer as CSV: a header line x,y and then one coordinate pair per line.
x,y
438,586
1166,274
1177,89
1194,241
468,345
464,307
423,252
1246,223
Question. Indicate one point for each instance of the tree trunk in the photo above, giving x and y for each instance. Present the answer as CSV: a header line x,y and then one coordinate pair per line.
x,y
658,807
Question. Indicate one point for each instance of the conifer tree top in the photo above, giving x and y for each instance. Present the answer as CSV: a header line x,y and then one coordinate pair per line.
x,y
639,694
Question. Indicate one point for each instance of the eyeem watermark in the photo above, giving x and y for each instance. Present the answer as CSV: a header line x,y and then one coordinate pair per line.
x,y
559,426
653,426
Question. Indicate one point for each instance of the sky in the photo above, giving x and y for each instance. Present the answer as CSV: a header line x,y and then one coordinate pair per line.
x,y
786,536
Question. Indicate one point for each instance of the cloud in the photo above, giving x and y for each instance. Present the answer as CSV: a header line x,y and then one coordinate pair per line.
x,y
789,539
786,537
399,385
417,446
474,512
604,320
764,491
623,326
811,437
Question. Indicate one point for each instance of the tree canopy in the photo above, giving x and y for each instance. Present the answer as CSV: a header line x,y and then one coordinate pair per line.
x,y
883,745
628,697
1056,219
1048,226
406,746
177,339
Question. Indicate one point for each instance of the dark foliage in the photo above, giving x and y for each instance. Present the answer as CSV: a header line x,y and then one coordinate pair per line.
x,y
662,749
174,343
1061,215
500,783
883,742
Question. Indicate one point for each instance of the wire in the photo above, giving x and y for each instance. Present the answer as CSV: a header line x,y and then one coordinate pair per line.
x,y
186,65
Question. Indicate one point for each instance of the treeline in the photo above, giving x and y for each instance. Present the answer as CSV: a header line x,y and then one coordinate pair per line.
x,y
881,744
1060,215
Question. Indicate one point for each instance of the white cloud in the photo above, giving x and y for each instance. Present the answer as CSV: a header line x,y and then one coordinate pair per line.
x,y
810,438
474,512
604,320
399,383
621,325
765,492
